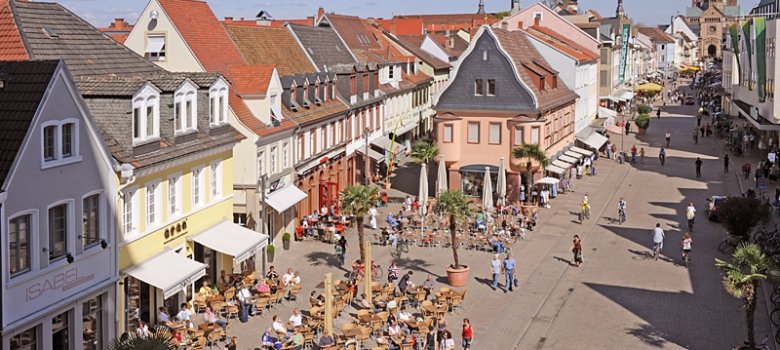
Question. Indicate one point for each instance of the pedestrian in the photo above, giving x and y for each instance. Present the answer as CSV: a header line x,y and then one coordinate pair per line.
x,y
577,250
343,243
726,163
392,272
695,136
701,130
658,237
468,334
628,127
633,154
495,269
686,245
372,221
662,156
658,113
698,166
509,272
746,170
698,119
668,137
339,254
642,154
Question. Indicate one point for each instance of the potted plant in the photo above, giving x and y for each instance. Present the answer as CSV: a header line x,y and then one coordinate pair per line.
x,y
160,339
286,240
643,109
269,252
457,205
642,122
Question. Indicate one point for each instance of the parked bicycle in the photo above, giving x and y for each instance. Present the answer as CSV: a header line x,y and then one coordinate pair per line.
x,y
729,244
358,272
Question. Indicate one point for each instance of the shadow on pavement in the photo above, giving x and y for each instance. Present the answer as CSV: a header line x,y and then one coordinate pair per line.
x,y
648,335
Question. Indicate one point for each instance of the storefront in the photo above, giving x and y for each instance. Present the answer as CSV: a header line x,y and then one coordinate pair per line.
x,y
472,179
320,183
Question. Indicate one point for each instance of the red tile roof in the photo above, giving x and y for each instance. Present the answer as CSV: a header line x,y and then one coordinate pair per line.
x,y
11,45
245,116
268,45
277,23
562,43
120,38
365,40
251,78
402,26
656,34
203,33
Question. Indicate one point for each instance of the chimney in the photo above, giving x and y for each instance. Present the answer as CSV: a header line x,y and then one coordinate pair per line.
x,y
228,20
320,14
505,25
119,22
520,25
537,20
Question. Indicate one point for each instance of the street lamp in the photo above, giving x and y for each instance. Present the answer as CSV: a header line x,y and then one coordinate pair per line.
x,y
366,161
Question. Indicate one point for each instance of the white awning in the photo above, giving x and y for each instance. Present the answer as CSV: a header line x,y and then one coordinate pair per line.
x,y
548,181
574,155
232,239
583,151
155,44
170,272
568,159
555,170
285,198
593,139
379,157
606,112
561,164
613,98
627,95
387,144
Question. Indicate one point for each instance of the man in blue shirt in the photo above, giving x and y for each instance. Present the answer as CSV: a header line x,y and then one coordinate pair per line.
x,y
509,271
391,221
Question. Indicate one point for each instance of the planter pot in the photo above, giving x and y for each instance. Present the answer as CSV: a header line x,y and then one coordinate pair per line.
x,y
641,131
457,277
269,256
286,245
387,185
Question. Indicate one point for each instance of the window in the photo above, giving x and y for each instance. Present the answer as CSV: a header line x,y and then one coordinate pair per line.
x,y
58,231
535,136
273,161
495,134
197,186
447,137
261,163
473,136
285,155
155,47
604,56
92,323
129,212
216,179
152,205
173,196
603,78
146,115
301,148
59,142
27,340
19,232
185,115
90,225
218,103
390,72
491,87
485,55
478,88
519,136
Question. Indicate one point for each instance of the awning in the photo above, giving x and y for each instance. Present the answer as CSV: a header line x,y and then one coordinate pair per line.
x,y
387,144
592,139
561,164
155,45
614,129
555,170
610,97
568,159
548,181
379,157
170,272
582,151
574,155
627,95
232,239
285,198
606,112
747,110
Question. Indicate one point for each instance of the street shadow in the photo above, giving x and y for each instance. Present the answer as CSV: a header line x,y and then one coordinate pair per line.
x,y
648,335
323,258
487,282
567,261
417,265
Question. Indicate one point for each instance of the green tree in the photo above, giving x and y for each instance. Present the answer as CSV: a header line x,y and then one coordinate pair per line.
x,y
458,206
742,278
161,339
530,153
357,200
741,214
642,121
424,152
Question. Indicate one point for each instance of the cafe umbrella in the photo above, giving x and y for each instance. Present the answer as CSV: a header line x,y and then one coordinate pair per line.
x,y
501,182
423,194
487,192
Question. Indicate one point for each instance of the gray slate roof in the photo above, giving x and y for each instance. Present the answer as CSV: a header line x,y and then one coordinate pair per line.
x,y
86,50
323,45
128,85
25,84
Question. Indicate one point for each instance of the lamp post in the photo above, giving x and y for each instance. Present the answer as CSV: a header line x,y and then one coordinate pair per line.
x,y
366,160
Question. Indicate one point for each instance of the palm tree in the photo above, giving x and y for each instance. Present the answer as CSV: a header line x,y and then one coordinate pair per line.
x,y
458,206
424,152
531,153
161,339
357,200
742,278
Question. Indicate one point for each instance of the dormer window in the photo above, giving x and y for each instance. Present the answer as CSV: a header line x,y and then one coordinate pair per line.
x,y
276,113
325,88
185,108
294,106
390,72
218,103
146,115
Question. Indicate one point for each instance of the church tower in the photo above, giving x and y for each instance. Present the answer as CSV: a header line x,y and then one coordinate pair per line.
x,y
481,10
619,11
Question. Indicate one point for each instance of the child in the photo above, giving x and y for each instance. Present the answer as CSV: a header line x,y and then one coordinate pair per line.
x,y
642,154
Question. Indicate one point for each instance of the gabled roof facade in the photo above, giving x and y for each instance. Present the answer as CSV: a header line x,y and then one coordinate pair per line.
x,y
323,45
562,44
412,44
365,40
656,34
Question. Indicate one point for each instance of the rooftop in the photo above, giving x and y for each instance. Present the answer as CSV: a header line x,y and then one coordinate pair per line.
x,y
267,45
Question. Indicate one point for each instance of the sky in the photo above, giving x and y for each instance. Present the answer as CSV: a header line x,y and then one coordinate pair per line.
x,y
102,12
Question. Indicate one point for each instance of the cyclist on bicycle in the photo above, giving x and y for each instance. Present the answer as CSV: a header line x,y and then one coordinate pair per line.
x,y
622,209
662,156
658,238
690,214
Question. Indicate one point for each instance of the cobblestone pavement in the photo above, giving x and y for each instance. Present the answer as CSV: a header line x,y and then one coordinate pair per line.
x,y
618,299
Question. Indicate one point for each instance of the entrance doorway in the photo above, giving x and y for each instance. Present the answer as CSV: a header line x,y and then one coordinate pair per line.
x,y
712,50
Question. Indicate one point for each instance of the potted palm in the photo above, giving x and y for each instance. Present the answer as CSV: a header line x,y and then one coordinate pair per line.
x,y
642,122
161,339
286,240
357,200
458,206
742,279
530,153
269,252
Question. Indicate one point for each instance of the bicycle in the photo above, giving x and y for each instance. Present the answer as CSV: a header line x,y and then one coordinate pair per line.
x,y
690,225
729,244
656,250
621,216
401,246
358,273
687,259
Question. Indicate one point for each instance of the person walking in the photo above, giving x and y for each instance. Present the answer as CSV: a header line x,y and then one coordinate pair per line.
x,y
686,246
467,334
339,254
495,269
392,272
690,214
372,221
577,250
642,154
698,166
668,137
746,169
658,113
726,163
695,136
628,127
633,154
658,238
662,156
509,271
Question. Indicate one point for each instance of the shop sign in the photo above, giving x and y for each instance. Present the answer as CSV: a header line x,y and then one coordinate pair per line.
x,y
175,231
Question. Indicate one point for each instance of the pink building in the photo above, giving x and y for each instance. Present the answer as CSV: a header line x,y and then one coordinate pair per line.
x,y
502,94
542,15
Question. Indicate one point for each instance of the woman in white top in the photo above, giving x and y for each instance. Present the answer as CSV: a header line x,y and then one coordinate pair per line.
x,y
447,343
686,243
372,213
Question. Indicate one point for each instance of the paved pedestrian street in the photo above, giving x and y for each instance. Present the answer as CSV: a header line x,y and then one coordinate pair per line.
x,y
620,298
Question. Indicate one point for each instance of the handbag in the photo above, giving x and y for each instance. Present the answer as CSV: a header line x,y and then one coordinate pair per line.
x,y
516,282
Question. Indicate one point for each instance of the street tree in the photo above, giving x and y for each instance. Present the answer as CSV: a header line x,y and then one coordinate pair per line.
x,y
424,152
530,153
458,206
160,339
357,200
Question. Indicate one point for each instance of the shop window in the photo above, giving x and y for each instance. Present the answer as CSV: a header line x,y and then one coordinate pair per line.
x,y
137,300
26,340
60,333
92,320
472,182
